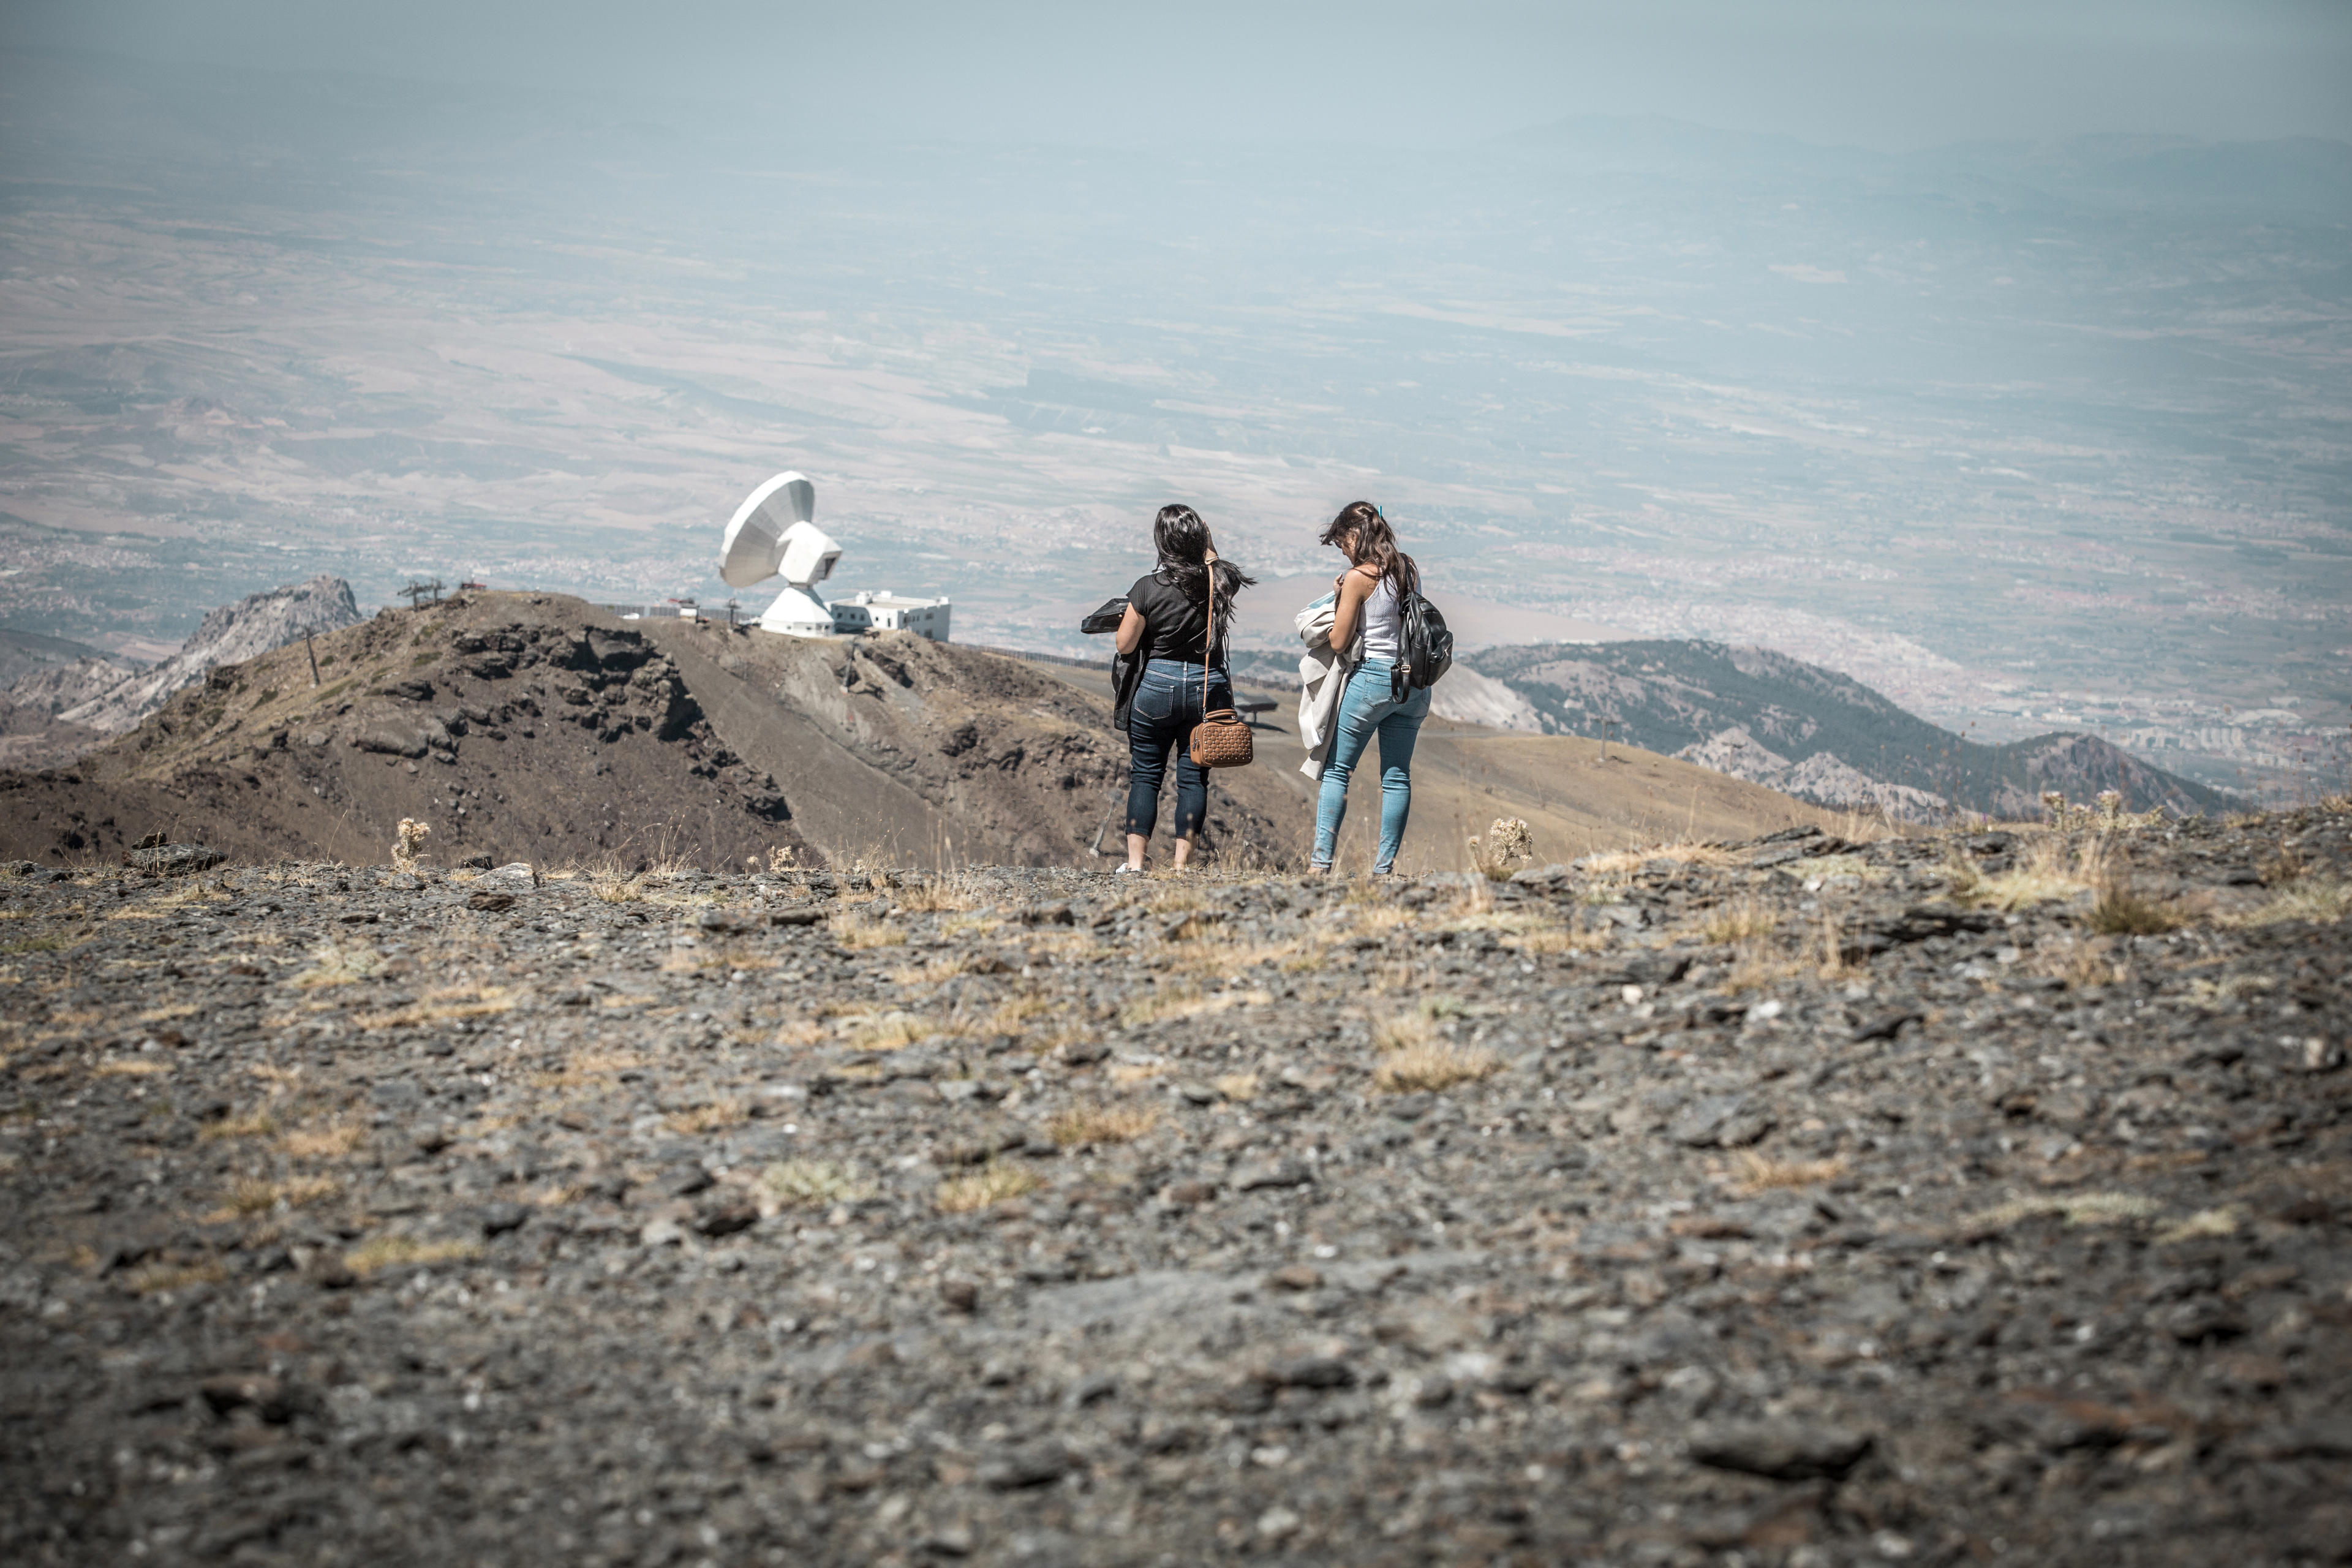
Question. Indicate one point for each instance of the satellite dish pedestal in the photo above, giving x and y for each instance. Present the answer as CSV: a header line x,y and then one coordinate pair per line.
x,y
771,535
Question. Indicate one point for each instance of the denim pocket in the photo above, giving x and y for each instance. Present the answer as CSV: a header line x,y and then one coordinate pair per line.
x,y
1155,700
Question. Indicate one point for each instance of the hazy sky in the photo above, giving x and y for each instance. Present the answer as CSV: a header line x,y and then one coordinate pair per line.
x,y
1889,74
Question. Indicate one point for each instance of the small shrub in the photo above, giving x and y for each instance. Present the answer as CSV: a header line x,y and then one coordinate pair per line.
x,y
410,839
1504,848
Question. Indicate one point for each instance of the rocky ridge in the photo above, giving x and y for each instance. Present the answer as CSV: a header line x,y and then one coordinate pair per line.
x,y
1800,1203
230,635
1776,720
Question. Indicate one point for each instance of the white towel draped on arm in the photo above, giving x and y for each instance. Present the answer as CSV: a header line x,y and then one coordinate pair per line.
x,y
1323,680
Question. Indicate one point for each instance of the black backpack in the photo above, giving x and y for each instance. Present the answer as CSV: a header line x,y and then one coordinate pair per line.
x,y
1425,647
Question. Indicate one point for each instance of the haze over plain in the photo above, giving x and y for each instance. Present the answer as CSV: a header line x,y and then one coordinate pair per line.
x,y
1901,369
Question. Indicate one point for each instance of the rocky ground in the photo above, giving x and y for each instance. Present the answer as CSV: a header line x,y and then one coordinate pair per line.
x,y
1797,1204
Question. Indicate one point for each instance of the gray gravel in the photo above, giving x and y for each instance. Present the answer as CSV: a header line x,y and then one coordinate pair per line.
x,y
1815,1213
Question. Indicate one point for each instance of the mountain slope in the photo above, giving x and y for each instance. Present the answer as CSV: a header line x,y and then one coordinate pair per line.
x,y
1779,721
537,727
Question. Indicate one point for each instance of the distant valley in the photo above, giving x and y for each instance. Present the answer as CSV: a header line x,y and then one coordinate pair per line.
x,y
2024,439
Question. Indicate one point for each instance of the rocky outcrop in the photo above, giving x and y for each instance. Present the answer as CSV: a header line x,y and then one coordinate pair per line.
x,y
1466,697
1823,778
252,627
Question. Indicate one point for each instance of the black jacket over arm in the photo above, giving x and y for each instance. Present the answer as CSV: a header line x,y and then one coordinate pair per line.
x,y
1126,670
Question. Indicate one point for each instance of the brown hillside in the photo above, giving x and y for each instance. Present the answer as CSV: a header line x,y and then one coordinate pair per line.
x,y
537,727
1465,776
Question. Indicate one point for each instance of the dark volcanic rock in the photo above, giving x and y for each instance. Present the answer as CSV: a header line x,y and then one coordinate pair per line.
x,y
1783,1450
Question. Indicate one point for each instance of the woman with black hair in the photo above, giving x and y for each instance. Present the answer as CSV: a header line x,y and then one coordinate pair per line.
x,y
1184,679
1369,607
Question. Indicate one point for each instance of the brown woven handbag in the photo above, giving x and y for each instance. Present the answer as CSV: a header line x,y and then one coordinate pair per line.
x,y
1220,740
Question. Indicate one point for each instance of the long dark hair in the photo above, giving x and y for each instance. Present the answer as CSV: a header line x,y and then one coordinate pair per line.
x,y
1365,535
1183,543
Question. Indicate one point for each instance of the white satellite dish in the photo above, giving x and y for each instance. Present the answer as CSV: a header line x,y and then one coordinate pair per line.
x,y
771,533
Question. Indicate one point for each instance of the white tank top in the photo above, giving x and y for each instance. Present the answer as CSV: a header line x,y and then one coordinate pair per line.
x,y
1383,619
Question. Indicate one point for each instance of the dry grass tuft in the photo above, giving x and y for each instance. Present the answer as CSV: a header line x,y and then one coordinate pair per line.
x,y
991,1184
1761,1173
153,1278
1240,1087
249,1196
2083,965
336,963
1084,1124
888,1031
1126,1073
2204,1223
1403,1032
586,1067
616,889
2076,1208
811,1184
382,1252
2317,901
732,1111
1183,1002
255,1123
858,931
940,895
1741,920
1435,1065
2050,870
2122,912
1554,939
442,1006
132,1067
330,1141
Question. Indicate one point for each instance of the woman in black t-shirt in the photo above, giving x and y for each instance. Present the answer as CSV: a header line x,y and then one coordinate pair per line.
x,y
1167,626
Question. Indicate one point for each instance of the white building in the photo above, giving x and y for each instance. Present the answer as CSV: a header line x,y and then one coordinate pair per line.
x,y
887,612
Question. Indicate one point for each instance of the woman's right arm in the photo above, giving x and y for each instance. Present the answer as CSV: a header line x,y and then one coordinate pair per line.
x,y
1129,635
1354,589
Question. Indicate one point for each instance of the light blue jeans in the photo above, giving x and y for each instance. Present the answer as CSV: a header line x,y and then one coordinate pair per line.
x,y
1363,710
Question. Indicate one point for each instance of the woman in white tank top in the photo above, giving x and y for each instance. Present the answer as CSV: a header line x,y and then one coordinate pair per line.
x,y
1369,614
1383,618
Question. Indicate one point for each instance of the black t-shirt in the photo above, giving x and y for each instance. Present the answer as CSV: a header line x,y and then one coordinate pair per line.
x,y
1175,624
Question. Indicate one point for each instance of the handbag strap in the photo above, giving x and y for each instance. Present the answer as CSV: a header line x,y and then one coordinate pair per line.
x,y
1208,649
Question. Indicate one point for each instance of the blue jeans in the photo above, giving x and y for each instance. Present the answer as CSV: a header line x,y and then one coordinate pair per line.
x,y
1366,708
1166,709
